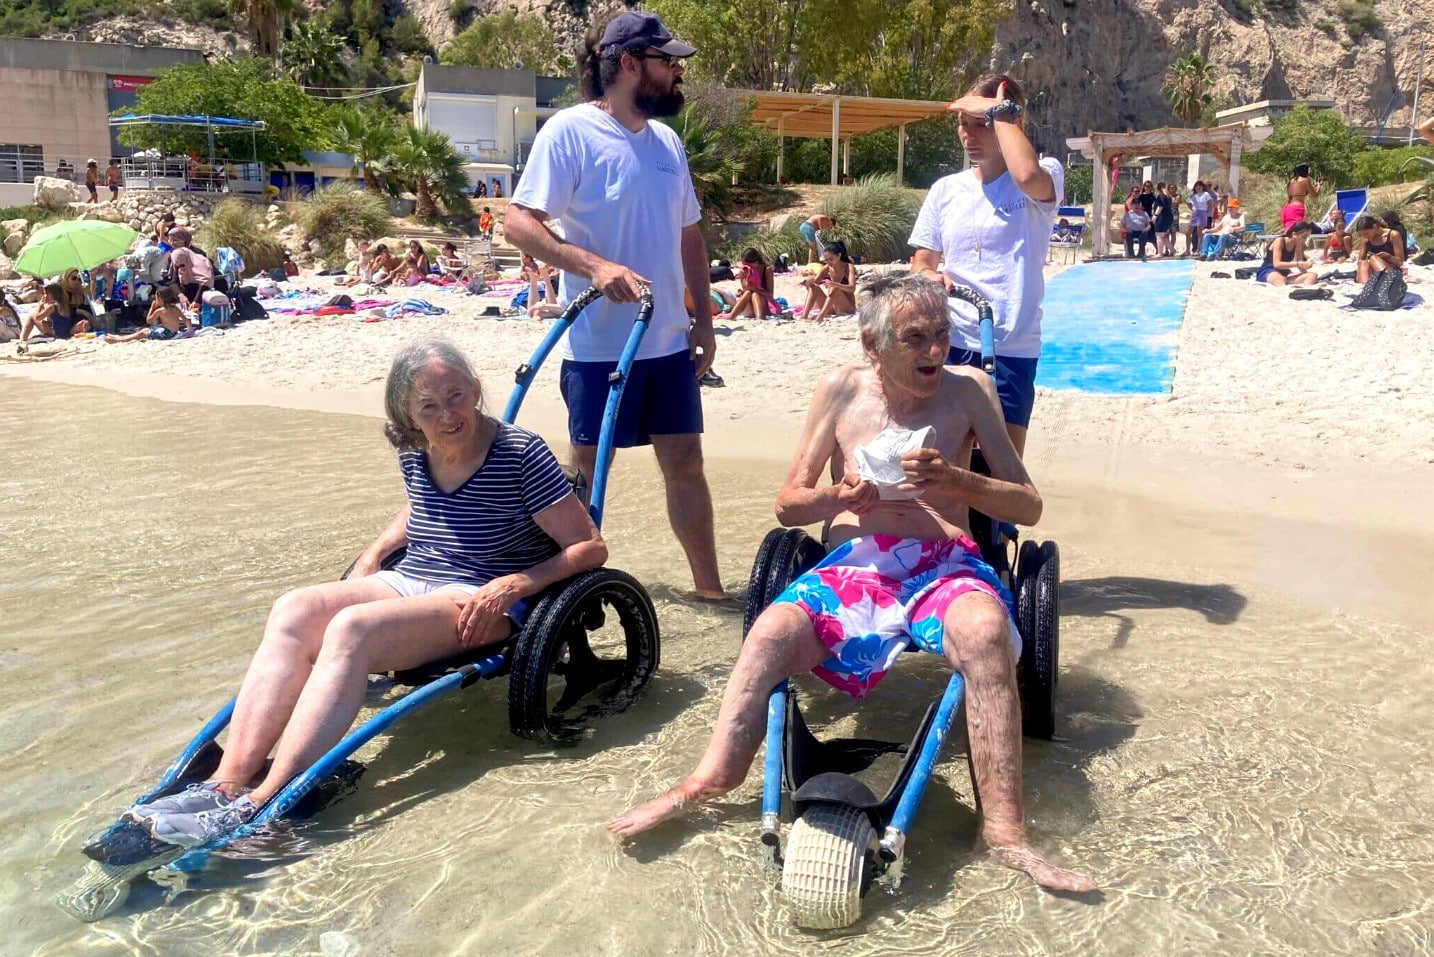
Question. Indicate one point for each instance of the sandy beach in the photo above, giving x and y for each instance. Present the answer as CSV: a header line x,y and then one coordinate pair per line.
x,y
1258,377
1244,632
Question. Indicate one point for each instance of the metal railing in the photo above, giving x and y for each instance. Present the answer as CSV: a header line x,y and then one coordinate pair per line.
x,y
185,174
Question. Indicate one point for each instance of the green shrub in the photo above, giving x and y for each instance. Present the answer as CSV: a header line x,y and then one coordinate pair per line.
x,y
1381,167
772,243
873,217
1317,137
1080,185
240,225
338,212
31,214
1359,18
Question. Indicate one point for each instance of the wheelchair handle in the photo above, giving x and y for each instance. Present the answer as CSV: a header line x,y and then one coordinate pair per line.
x,y
987,321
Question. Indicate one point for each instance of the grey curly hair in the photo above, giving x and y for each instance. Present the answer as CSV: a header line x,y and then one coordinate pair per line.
x,y
880,296
410,361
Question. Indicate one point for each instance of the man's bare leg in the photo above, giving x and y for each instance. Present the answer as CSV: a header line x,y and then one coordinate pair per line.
x,y
780,644
689,508
978,644
1018,437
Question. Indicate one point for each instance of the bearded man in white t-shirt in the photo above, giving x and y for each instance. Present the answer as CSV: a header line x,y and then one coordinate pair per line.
x,y
619,189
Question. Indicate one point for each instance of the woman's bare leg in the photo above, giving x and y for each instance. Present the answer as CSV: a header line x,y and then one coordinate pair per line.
x,y
815,300
276,676
360,640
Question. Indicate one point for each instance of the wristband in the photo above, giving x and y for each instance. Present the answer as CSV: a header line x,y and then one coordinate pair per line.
x,y
1008,110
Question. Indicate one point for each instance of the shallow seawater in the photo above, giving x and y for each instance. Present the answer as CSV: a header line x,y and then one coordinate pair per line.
x,y
1243,765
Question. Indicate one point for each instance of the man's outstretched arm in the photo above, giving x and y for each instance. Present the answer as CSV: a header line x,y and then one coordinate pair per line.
x,y
528,230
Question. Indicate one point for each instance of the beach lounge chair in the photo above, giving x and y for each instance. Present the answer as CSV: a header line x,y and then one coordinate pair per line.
x,y
1352,202
1075,216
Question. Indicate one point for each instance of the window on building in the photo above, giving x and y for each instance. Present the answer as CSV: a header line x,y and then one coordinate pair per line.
x,y
21,164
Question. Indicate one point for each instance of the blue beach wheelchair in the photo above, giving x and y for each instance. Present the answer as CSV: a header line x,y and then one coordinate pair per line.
x,y
566,668
843,837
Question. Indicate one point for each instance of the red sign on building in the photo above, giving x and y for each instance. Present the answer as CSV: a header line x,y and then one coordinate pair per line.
x,y
129,84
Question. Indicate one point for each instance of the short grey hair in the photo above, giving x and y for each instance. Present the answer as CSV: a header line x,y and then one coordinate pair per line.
x,y
410,361
882,295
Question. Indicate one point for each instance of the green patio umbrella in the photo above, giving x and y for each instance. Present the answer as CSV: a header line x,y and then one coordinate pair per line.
x,y
73,244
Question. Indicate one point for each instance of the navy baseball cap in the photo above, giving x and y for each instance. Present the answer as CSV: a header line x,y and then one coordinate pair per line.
x,y
635,30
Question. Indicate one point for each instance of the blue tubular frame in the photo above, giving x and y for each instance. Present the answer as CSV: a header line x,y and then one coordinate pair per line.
x,y
206,734
617,382
283,802
528,371
294,791
772,766
894,836
987,321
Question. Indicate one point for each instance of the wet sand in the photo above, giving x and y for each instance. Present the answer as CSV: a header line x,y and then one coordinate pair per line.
x,y
1243,734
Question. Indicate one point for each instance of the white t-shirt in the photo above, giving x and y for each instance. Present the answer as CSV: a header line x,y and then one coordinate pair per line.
x,y
992,238
626,197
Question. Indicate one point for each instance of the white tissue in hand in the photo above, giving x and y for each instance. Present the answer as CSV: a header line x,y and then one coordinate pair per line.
x,y
879,461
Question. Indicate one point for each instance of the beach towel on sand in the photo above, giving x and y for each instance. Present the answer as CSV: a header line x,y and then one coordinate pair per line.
x,y
421,307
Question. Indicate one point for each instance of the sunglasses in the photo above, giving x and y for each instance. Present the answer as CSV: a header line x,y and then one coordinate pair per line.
x,y
665,58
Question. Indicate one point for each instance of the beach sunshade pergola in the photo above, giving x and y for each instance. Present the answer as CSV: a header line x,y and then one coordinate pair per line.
x,y
211,125
1227,143
838,117
73,244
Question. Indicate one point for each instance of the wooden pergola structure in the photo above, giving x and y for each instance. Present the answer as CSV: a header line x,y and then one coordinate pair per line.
x,y
1227,143
838,117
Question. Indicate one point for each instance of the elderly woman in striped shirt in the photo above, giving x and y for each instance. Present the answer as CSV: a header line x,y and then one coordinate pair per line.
x,y
490,521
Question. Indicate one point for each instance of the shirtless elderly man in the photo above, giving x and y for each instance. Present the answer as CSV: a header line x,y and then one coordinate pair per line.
x,y
899,571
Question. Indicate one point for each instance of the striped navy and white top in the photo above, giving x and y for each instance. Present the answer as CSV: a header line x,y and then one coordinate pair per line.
x,y
484,529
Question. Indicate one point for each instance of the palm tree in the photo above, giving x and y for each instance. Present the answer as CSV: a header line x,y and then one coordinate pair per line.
x,y
427,161
312,56
266,22
1187,86
369,136
708,161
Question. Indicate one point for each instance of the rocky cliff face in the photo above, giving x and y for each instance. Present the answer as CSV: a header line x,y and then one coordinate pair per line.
x,y
1088,64
1100,63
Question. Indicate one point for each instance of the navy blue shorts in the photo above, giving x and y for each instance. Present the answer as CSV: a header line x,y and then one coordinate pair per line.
x,y
1015,383
662,397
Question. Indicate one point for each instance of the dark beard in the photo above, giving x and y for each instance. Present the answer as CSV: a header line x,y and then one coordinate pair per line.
x,y
652,101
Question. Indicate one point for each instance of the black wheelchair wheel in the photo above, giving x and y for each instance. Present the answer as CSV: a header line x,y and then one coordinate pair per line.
x,y
783,555
1038,572
569,667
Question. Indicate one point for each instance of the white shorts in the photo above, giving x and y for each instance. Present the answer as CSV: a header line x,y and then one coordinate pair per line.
x,y
409,587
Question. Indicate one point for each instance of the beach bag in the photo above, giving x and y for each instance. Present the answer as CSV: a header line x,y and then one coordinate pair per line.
x,y
341,301
1307,292
477,285
1245,272
247,305
276,274
1384,291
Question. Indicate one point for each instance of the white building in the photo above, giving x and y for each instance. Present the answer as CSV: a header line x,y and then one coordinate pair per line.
x,y
491,116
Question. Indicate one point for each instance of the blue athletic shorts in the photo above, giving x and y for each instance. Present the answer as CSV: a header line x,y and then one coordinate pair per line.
x,y
1015,383
662,397
808,231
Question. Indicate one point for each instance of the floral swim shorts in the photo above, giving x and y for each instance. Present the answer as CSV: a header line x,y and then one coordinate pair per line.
x,y
872,596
